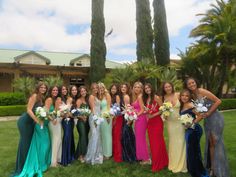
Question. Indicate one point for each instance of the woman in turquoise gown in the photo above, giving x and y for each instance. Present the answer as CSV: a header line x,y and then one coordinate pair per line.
x,y
26,124
106,125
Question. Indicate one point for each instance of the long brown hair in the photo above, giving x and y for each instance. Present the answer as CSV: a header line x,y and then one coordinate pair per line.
x,y
145,95
40,97
113,97
163,92
50,94
87,95
181,93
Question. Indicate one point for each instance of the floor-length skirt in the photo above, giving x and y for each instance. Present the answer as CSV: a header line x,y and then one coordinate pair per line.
x,y
26,129
94,153
157,144
56,141
106,136
116,138
68,144
140,128
214,126
128,143
194,157
39,155
83,130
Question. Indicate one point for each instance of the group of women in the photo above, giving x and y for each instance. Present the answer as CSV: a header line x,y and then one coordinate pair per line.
x,y
116,137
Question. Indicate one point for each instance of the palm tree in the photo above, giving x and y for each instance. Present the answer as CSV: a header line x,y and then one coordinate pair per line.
x,y
218,29
53,81
25,85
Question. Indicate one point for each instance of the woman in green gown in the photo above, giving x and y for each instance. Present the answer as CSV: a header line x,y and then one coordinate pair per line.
x,y
82,125
26,124
39,155
106,125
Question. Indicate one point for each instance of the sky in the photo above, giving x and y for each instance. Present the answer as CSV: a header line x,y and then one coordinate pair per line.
x,y
64,26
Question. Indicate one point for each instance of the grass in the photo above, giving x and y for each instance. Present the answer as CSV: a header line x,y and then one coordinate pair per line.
x,y
9,142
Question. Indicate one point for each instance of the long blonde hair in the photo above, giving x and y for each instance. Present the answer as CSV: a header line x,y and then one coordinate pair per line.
x,y
134,96
100,95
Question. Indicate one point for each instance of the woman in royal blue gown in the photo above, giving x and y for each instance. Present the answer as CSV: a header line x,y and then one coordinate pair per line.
x,y
26,125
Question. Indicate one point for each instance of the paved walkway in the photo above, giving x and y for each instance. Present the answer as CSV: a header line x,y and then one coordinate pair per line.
x,y
10,118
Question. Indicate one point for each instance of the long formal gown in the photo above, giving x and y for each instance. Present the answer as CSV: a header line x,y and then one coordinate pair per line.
x,y
156,139
116,138
39,155
177,143
68,144
26,129
214,125
56,139
83,130
128,143
94,153
140,127
194,158
106,132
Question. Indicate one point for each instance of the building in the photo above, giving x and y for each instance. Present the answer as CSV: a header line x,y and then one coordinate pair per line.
x,y
73,68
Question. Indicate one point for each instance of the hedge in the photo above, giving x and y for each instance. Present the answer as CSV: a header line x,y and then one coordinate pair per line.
x,y
12,98
13,110
228,104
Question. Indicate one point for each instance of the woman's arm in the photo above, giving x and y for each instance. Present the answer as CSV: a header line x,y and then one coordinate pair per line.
x,y
159,102
48,104
126,100
140,100
108,97
212,97
58,103
30,105
91,103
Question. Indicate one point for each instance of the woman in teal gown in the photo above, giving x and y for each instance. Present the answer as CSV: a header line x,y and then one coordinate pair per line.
x,y
26,124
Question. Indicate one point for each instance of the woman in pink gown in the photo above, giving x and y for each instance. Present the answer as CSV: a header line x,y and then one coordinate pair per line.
x,y
140,125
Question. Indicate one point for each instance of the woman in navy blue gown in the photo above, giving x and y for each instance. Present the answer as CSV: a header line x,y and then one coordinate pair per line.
x,y
192,135
68,144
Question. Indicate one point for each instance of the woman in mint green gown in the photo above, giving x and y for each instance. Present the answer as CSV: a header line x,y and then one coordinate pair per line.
x,y
26,124
106,125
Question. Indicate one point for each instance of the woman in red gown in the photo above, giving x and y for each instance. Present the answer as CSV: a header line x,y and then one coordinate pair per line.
x,y
155,129
117,126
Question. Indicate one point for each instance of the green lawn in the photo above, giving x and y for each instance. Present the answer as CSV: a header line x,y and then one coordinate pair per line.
x,y
9,141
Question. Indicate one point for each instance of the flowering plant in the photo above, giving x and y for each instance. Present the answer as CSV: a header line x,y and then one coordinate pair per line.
x,y
129,113
41,114
97,120
166,109
115,110
54,114
64,110
150,110
187,120
81,112
200,105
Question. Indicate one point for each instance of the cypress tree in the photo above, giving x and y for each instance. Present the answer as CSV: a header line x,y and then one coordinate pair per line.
x,y
161,37
144,32
98,46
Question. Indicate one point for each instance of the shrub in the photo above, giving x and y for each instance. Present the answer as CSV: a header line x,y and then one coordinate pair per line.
x,y
13,110
228,104
16,98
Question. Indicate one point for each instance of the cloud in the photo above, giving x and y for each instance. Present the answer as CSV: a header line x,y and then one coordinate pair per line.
x,y
48,25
